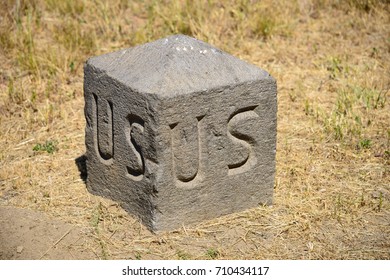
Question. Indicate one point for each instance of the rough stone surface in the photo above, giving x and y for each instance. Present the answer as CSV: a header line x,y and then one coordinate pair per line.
x,y
179,131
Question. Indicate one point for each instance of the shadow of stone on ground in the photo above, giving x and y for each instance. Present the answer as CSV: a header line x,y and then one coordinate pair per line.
x,y
81,163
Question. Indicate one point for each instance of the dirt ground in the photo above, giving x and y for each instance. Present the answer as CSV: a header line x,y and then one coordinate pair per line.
x,y
27,234
331,60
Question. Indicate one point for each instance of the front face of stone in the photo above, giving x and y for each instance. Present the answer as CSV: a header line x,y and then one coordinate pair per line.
x,y
174,159
218,154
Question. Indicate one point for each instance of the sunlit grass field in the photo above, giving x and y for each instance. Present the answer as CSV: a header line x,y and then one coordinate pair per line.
x,y
331,60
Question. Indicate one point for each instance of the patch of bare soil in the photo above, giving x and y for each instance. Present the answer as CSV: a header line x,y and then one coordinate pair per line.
x,y
26,234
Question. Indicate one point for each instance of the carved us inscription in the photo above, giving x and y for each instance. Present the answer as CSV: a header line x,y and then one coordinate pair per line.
x,y
187,143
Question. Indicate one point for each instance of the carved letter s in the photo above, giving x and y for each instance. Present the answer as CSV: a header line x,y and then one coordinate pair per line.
x,y
134,132
238,125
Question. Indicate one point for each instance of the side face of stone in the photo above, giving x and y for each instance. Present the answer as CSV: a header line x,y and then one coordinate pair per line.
x,y
120,144
186,145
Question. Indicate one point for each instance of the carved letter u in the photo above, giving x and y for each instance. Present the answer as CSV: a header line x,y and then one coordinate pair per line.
x,y
103,129
187,152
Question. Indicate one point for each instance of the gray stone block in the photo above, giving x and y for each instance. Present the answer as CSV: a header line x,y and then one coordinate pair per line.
x,y
178,131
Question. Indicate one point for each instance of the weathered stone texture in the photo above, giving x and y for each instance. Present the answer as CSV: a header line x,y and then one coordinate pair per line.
x,y
179,131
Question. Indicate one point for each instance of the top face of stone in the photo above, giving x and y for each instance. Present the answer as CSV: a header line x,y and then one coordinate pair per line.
x,y
176,65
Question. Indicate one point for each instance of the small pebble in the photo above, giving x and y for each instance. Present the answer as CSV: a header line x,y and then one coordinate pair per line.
x,y
19,249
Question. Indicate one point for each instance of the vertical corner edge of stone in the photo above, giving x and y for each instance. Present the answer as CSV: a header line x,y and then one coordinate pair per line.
x,y
272,78
274,84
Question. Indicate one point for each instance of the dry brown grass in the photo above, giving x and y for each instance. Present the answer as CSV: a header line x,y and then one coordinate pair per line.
x,y
332,63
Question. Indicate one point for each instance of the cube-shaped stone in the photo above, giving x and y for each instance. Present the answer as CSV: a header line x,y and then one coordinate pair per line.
x,y
179,131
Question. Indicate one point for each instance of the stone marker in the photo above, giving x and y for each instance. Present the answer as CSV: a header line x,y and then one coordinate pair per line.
x,y
179,131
